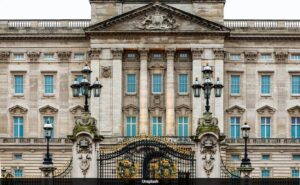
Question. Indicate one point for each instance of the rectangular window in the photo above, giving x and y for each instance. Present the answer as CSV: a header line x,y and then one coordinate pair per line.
x,y
79,56
296,84
157,55
49,56
235,157
157,83
183,126
235,127
265,56
157,126
295,173
183,83
265,128
296,157
183,55
19,84
18,172
294,57
50,119
295,127
131,83
265,173
18,126
235,57
48,89
235,84
19,56
265,157
18,156
265,84
131,55
130,126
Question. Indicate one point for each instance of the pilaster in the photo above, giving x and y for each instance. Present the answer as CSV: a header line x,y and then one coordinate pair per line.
x,y
170,94
144,125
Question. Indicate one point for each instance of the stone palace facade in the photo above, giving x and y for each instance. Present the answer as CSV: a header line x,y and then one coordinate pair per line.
x,y
147,55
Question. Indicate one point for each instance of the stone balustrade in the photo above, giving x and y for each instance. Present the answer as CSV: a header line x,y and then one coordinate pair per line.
x,y
33,140
266,24
270,141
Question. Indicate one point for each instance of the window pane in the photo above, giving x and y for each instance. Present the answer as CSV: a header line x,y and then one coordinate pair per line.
x,y
235,157
266,56
48,84
19,89
18,126
296,157
266,157
265,84
131,83
235,84
296,84
183,83
235,57
235,127
295,173
157,83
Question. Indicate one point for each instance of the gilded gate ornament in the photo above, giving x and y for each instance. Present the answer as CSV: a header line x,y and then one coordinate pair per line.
x,y
127,168
166,168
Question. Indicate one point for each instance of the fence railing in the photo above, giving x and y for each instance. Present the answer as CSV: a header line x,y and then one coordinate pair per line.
x,y
266,24
33,140
265,141
80,23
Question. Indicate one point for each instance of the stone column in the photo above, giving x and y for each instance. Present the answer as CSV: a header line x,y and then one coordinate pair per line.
x,y
219,73
117,91
197,103
94,57
144,125
170,96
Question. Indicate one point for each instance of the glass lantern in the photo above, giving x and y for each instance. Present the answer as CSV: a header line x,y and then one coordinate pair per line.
x,y
75,88
97,88
207,71
245,130
48,128
86,71
207,85
197,88
218,88
85,85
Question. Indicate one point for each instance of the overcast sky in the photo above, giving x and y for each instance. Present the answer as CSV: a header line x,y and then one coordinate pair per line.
x,y
80,9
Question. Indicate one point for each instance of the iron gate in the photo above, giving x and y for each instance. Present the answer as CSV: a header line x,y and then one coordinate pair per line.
x,y
146,158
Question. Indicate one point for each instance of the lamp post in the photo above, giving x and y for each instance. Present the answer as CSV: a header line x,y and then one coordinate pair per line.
x,y
3,172
85,87
207,86
245,168
48,128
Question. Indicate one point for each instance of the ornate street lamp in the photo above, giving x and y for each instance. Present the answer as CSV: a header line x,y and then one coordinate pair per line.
x,y
86,87
245,167
3,172
207,86
48,128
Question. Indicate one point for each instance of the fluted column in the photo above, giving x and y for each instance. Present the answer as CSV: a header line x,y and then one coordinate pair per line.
x,y
144,122
197,103
94,57
170,96
117,91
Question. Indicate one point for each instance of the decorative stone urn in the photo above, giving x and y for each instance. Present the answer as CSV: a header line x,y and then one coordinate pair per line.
x,y
85,139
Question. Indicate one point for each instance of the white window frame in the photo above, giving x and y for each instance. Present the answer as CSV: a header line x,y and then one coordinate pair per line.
x,y
265,59
131,93
19,59
233,55
294,56
187,92
14,85
79,59
291,87
49,59
162,83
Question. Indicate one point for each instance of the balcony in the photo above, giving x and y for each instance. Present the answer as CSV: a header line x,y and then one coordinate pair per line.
x,y
269,141
262,24
75,23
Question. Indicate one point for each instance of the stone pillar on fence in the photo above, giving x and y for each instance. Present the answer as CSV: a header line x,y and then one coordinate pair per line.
x,y
84,150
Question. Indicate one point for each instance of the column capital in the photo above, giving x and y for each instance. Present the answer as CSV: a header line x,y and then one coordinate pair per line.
x,y
117,53
4,55
143,53
281,56
219,53
94,53
64,55
170,53
197,53
251,56
33,56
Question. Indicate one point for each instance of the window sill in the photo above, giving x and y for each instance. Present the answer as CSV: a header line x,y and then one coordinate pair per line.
x,y
235,95
265,95
295,95
130,94
18,95
49,95
183,94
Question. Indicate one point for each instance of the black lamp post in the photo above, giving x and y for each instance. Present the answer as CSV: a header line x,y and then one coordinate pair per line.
x,y
207,86
48,128
85,87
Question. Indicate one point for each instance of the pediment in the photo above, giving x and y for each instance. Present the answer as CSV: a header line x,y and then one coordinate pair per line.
x,y
77,109
294,110
17,109
266,110
48,110
183,110
156,17
235,109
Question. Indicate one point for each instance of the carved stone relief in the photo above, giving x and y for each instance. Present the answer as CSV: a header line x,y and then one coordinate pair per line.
x,y
157,21
281,57
4,56
48,109
251,56
266,110
208,150
197,53
94,53
219,54
17,109
64,55
106,71
117,53
84,149
33,56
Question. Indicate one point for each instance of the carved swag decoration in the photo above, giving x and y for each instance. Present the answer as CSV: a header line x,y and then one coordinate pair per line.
x,y
208,151
84,149
158,21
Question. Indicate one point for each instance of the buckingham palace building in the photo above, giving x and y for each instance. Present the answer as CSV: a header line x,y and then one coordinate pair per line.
x,y
147,55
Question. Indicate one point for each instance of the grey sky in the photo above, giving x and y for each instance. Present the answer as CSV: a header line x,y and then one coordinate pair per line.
x,y
72,9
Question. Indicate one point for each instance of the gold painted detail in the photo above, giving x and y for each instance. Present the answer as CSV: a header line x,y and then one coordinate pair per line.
x,y
127,168
166,168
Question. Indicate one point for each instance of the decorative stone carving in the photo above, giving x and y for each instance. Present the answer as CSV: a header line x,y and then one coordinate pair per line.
x,y
156,100
157,110
117,53
197,53
106,71
236,109
157,21
64,56
4,56
17,109
33,56
251,56
84,149
157,65
266,109
48,109
281,56
85,123
208,150
130,110
183,110
94,53
144,53
84,164
170,53
207,124
77,109
294,110
219,54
